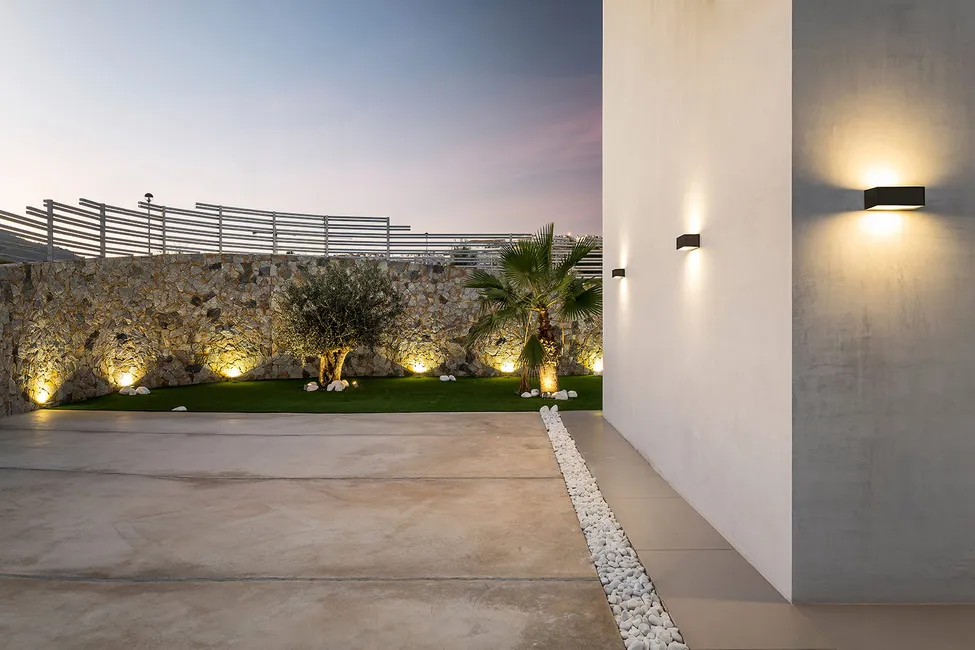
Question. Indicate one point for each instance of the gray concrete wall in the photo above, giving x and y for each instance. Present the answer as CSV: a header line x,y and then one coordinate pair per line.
x,y
884,304
697,138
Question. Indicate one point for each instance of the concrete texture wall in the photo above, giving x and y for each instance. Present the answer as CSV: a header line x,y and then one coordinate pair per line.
x,y
72,330
697,138
884,313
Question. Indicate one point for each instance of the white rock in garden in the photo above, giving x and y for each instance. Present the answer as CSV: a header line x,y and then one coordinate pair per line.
x,y
127,390
312,387
572,393
452,378
639,614
536,392
555,408
526,394
142,390
562,395
180,409
330,387
444,377
337,386
345,382
544,409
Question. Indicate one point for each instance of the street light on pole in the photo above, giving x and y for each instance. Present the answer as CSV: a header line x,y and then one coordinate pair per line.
x,y
149,222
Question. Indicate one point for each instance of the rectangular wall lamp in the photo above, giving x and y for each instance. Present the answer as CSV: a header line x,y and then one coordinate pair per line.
x,y
893,198
688,242
619,273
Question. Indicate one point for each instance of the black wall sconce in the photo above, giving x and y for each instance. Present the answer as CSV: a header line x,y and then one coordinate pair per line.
x,y
893,198
688,242
619,273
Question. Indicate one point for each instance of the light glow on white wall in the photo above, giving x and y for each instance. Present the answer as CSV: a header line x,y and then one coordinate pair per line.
x,y
881,224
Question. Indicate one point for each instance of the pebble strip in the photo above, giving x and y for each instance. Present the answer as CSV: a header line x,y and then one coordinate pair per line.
x,y
642,620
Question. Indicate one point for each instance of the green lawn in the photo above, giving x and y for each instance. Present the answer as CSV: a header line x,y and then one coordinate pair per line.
x,y
374,395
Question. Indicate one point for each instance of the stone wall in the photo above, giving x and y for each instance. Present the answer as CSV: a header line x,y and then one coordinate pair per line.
x,y
78,329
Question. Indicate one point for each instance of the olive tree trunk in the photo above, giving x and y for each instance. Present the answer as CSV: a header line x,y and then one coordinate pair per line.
x,y
330,366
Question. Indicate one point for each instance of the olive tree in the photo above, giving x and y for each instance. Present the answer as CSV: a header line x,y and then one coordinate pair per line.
x,y
336,311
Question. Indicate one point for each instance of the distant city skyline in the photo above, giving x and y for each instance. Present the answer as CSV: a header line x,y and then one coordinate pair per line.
x,y
447,115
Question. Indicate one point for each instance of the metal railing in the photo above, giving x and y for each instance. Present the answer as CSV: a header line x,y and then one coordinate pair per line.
x,y
93,229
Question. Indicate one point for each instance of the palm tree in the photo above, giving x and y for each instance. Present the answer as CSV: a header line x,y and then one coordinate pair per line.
x,y
533,285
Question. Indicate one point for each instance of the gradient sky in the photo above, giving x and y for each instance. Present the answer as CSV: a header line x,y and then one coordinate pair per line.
x,y
448,115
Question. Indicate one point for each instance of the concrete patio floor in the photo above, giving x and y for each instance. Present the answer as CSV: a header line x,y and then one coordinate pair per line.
x,y
187,530
720,601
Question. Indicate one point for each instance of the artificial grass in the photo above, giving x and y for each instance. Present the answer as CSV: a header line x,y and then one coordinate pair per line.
x,y
374,395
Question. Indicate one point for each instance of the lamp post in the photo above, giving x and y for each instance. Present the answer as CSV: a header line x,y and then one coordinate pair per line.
x,y
149,222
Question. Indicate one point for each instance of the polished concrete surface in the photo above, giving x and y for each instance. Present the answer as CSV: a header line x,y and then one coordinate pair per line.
x,y
716,598
186,530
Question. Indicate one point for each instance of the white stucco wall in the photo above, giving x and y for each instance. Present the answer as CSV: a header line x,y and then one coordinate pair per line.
x,y
698,346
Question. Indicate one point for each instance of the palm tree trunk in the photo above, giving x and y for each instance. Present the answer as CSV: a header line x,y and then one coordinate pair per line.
x,y
524,386
548,374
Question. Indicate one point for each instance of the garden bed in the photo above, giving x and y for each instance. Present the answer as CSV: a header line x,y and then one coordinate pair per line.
x,y
373,395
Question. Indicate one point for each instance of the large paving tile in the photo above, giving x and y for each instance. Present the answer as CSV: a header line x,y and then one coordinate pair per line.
x,y
102,525
883,627
280,424
511,454
629,479
715,624
418,615
704,592
665,524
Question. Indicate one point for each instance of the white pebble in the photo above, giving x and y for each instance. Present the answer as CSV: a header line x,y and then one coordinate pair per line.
x,y
179,409
629,591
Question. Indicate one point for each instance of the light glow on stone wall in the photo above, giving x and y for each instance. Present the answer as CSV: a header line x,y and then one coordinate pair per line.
x,y
233,362
43,391
508,366
597,365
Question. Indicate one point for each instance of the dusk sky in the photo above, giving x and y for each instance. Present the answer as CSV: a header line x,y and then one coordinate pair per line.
x,y
447,115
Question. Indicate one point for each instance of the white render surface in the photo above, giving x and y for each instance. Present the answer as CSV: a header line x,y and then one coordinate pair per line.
x,y
697,138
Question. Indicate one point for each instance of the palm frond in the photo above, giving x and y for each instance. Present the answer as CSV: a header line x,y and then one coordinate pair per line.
x,y
582,247
588,302
492,322
481,279
532,354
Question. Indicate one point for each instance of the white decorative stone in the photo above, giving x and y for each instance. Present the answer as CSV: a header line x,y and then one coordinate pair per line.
x,y
526,394
142,390
444,377
312,387
337,386
535,392
452,378
330,387
179,409
127,390
345,382
643,623
562,395
572,393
